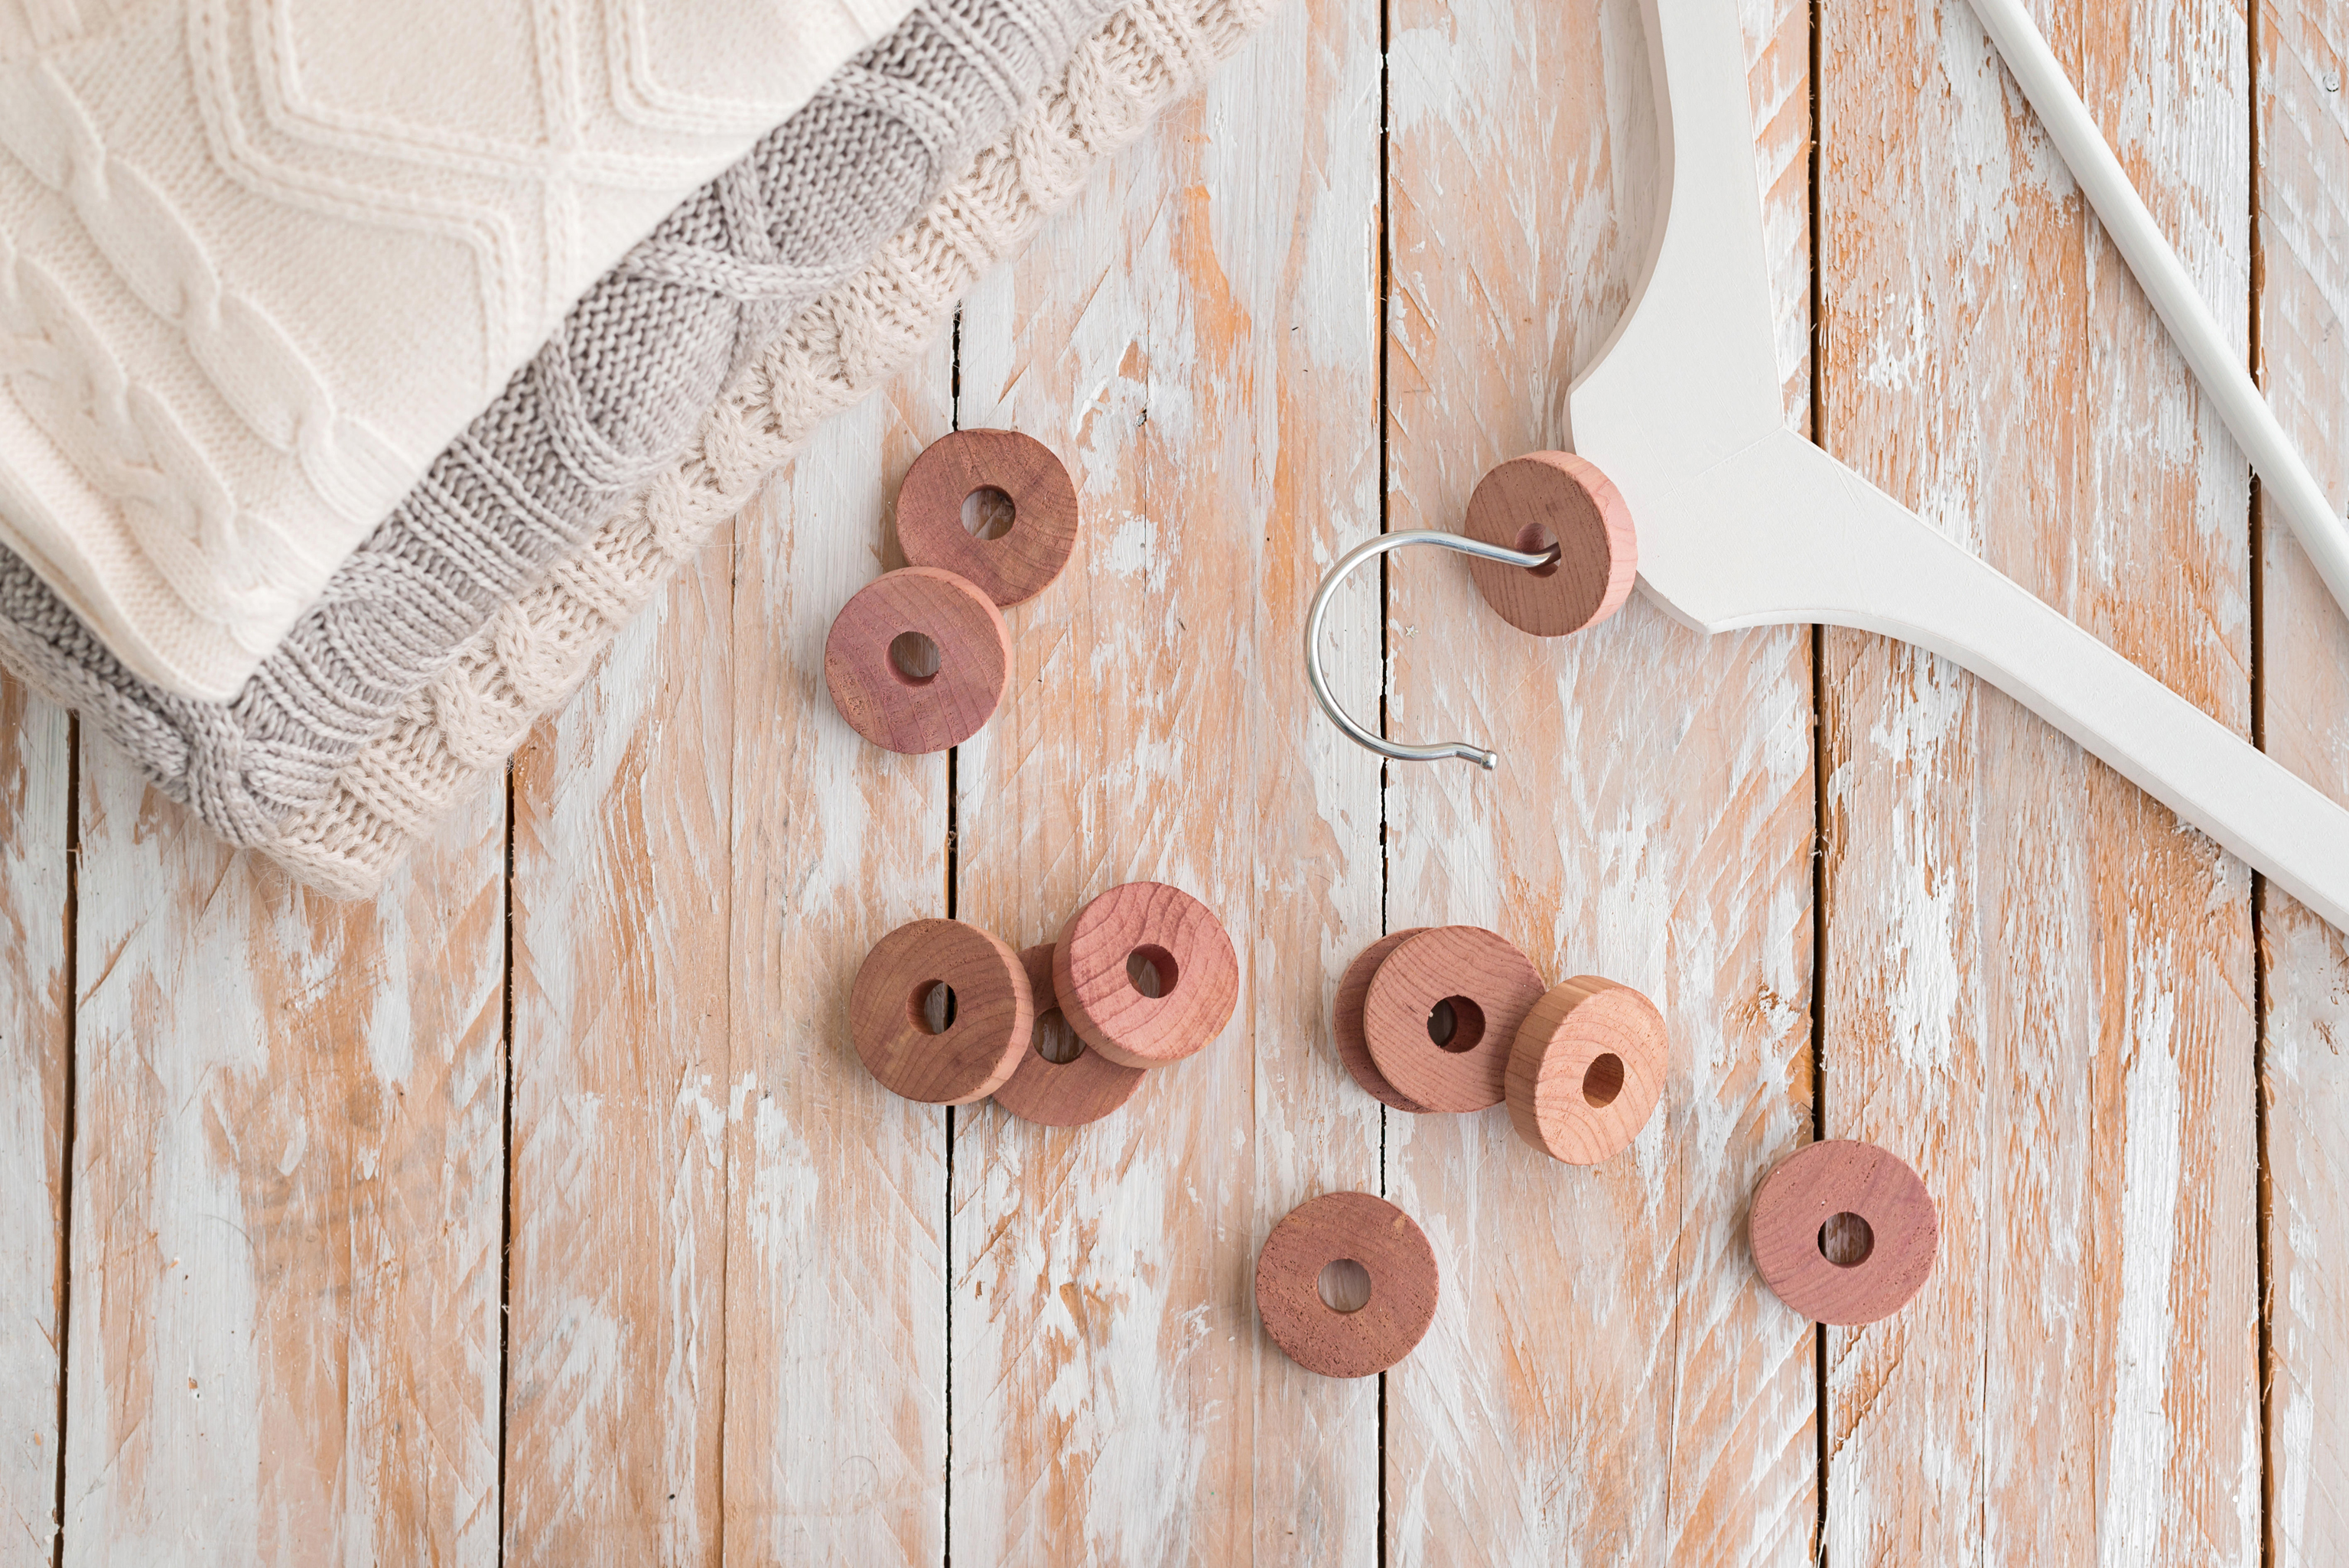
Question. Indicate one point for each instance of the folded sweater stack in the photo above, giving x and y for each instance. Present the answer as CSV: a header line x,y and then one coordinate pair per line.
x,y
264,258
803,276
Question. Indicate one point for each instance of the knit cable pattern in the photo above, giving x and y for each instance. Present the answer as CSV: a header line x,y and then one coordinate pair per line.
x,y
266,257
245,355
450,736
610,401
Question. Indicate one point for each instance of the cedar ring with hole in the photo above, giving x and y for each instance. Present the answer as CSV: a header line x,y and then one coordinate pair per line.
x,y
1086,1087
993,1012
1092,975
1844,1176
1022,563
1393,1251
899,712
1346,1020
1449,963
1587,1069
1544,498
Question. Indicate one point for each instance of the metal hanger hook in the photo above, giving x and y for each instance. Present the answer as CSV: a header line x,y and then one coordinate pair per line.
x,y
1337,575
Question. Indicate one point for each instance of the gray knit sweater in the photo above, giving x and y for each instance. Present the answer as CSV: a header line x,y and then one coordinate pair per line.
x,y
609,400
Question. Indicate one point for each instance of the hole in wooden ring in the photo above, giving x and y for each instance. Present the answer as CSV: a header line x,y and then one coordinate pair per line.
x,y
932,1006
1456,1023
1151,970
1535,539
1846,1240
988,512
1345,1285
1602,1080
1055,1041
913,658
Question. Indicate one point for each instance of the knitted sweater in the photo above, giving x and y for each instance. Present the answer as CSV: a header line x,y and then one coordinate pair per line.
x,y
612,398
260,258
452,738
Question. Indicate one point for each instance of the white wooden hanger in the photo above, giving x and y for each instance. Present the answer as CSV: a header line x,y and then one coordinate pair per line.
x,y
1742,522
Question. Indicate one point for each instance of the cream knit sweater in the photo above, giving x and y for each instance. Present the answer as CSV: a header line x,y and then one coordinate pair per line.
x,y
614,396
454,735
260,260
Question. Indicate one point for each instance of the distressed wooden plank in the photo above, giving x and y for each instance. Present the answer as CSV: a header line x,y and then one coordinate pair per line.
x,y
621,892
1197,337
2037,986
2303,306
286,1199
33,1040
835,1335
1606,1379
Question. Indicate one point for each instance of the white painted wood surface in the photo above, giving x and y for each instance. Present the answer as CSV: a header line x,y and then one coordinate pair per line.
x,y
35,810
835,1323
620,1057
2213,351
385,1248
284,1226
1114,1399
2037,987
2303,716
1603,1378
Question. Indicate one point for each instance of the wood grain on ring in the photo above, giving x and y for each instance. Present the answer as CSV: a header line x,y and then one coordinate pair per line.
x,y
1023,561
908,714
1086,1087
1840,1176
1460,964
1346,1020
993,1012
1392,1249
1530,501
1587,1069
1101,1000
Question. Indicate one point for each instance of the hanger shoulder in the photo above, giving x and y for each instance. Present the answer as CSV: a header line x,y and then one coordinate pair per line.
x,y
1782,533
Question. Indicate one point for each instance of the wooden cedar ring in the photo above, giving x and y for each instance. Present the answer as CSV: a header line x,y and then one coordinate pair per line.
x,y
1089,974
1564,1099
1598,553
1836,1176
1346,1020
880,702
1029,554
1449,961
1086,1087
1390,1248
993,1012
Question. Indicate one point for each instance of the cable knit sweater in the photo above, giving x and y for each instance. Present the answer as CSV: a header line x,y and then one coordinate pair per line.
x,y
610,400
260,258
451,737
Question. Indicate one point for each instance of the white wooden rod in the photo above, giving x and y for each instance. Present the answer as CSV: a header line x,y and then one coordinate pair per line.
x,y
2216,365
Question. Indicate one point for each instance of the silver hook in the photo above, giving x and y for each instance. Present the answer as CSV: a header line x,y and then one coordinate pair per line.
x,y
1346,564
